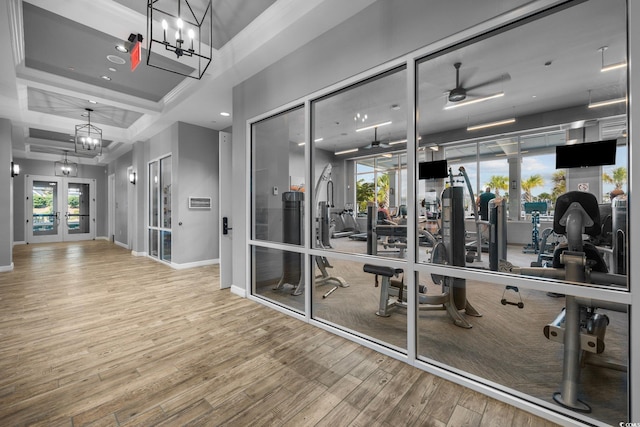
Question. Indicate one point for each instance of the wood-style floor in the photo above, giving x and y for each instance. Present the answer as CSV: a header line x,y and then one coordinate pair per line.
x,y
90,335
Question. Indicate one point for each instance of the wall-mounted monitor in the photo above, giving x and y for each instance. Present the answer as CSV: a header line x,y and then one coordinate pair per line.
x,y
588,154
431,170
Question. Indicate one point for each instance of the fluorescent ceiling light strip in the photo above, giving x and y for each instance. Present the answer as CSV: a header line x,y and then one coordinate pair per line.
x,y
352,150
374,126
605,103
492,124
604,69
502,145
300,144
474,101
318,140
402,141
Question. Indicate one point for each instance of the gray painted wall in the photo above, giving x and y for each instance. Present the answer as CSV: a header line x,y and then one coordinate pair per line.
x,y
122,209
45,168
194,166
197,239
6,195
385,30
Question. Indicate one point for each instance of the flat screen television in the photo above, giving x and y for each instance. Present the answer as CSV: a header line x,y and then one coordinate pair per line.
x,y
588,154
431,170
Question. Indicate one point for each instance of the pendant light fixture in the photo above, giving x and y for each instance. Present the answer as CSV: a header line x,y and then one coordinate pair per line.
x,y
88,138
183,30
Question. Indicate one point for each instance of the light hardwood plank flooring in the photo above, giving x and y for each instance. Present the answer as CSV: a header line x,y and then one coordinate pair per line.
x,y
90,335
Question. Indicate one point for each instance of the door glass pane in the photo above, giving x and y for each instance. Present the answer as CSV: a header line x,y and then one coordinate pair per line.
x,y
165,182
166,246
153,243
153,194
45,216
78,205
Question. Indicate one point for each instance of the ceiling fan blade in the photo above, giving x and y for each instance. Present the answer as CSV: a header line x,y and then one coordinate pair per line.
x,y
500,79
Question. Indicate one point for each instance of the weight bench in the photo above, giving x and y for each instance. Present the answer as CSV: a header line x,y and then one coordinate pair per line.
x,y
392,290
388,281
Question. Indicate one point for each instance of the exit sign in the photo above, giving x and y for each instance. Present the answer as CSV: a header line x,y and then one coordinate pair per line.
x,y
136,55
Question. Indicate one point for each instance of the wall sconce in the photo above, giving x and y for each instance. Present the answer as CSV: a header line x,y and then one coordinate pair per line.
x,y
132,178
15,169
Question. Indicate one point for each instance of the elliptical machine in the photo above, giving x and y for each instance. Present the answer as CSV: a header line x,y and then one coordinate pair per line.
x,y
579,327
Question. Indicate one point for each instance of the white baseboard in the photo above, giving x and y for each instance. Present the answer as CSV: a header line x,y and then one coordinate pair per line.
x,y
21,242
195,264
122,245
241,292
102,238
134,253
6,268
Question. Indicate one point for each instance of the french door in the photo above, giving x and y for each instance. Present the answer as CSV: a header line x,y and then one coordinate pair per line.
x,y
60,209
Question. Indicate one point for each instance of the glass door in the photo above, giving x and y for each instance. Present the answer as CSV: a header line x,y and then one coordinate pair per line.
x,y
79,201
159,228
62,209
43,201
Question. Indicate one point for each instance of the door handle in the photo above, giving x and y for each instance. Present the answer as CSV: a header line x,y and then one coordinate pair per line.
x,y
225,225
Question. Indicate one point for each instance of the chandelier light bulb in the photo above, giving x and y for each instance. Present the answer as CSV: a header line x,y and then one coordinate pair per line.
x,y
191,34
177,35
179,23
165,26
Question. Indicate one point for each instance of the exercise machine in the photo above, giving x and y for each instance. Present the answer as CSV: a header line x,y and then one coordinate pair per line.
x,y
322,232
535,209
293,265
393,292
578,326
451,251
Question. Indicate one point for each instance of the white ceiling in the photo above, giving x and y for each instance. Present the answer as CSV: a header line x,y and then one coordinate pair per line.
x,y
59,50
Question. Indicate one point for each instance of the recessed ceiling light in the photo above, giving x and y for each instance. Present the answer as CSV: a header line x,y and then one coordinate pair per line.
x,y
121,48
105,78
91,101
116,59
225,114
113,70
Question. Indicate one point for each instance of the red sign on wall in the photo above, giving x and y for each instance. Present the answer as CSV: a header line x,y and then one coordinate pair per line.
x,y
136,55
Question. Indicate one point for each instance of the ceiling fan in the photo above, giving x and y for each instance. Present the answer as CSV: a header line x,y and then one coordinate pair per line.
x,y
375,143
459,93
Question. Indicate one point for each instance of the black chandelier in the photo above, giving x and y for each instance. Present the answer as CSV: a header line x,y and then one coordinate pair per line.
x,y
65,168
88,138
181,32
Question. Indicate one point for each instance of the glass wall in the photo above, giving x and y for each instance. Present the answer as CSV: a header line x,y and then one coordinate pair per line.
x,y
510,204
277,204
504,123
278,176
363,299
365,123
516,343
159,228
